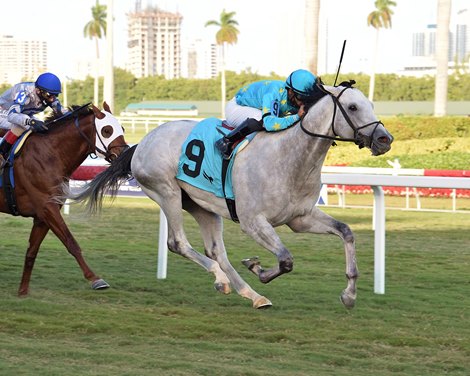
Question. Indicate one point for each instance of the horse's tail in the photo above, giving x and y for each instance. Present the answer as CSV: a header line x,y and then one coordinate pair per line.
x,y
106,182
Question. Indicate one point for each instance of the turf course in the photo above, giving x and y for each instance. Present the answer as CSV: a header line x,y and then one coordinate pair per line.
x,y
181,326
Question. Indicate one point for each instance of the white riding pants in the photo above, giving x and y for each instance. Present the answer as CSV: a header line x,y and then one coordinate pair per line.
x,y
236,114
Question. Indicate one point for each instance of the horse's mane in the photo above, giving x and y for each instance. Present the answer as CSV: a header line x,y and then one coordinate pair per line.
x,y
55,119
322,92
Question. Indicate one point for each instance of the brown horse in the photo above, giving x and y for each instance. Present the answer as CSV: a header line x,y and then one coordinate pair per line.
x,y
45,163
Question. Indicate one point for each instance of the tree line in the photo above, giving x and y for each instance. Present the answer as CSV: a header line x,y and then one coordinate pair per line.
x,y
129,89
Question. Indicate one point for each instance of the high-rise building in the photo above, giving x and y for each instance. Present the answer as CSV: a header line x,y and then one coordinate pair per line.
x,y
424,43
154,43
423,59
21,59
462,36
202,59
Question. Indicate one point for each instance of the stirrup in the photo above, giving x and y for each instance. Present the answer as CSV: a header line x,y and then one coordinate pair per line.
x,y
224,147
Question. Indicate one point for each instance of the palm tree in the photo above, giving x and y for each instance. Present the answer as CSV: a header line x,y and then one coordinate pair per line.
x,y
227,34
108,82
381,17
442,57
312,19
96,29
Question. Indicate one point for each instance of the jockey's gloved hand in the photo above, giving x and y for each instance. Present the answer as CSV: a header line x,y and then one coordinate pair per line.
x,y
38,126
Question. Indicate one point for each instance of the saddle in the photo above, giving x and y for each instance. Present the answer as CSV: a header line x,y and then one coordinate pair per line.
x,y
202,166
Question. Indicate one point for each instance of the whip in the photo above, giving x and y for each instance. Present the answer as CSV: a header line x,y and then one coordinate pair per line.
x,y
340,61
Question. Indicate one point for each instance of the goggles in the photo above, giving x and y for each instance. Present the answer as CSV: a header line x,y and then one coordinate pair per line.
x,y
48,96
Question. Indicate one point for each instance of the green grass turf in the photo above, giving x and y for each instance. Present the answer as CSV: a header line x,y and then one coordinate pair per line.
x,y
182,326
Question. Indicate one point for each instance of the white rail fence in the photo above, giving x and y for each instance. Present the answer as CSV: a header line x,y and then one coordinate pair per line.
x,y
134,124
396,171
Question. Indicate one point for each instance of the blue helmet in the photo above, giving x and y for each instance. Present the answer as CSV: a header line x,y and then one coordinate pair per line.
x,y
49,82
302,82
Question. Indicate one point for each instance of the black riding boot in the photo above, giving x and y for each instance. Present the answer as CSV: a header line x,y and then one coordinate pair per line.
x,y
5,148
225,144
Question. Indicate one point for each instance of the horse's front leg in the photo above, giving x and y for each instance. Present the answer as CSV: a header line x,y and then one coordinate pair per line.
x,y
52,217
37,235
320,223
264,234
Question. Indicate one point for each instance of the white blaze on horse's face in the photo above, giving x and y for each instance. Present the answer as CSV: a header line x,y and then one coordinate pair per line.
x,y
107,130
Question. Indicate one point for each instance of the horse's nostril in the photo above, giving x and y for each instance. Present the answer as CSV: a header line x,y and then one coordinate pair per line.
x,y
385,140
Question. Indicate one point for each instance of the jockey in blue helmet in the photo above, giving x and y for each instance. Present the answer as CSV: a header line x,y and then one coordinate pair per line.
x,y
270,105
18,105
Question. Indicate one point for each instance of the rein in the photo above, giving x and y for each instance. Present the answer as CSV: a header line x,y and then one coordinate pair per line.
x,y
337,104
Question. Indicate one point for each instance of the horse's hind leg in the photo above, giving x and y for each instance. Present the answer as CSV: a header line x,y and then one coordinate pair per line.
x,y
177,240
211,229
37,235
320,223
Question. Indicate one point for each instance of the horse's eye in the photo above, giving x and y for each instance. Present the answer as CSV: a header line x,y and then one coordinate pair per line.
x,y
352,107
107,131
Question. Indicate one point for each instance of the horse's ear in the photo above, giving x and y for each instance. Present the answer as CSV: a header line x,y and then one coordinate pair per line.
x,y
348,84
97,112
106,107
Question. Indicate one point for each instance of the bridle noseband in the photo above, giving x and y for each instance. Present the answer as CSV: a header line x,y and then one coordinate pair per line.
x,y
357,139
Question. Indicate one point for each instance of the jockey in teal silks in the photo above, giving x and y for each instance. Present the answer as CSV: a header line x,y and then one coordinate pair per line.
x,y
269,105
18,105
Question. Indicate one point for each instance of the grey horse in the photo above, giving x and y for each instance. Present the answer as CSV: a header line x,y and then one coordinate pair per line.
x,y
276,181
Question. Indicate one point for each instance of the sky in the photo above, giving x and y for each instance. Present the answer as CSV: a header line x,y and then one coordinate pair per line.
x,y
270,39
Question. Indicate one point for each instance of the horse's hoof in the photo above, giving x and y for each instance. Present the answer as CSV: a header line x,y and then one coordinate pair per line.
x,y
224,288
251,263
262,303
348,299
99,284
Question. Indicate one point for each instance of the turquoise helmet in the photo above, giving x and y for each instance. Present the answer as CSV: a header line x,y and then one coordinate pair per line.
x,y
301,82
49,82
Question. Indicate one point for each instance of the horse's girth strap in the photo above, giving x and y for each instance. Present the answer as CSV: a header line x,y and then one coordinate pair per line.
x,y
230,203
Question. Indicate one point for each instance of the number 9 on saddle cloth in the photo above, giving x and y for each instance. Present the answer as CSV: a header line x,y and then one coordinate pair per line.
x,y
202,165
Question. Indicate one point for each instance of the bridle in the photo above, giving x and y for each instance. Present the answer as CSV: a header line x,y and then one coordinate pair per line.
x,y
92,148
358,139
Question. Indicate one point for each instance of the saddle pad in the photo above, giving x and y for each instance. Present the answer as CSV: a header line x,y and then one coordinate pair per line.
x,y
19,143
200,162
16,148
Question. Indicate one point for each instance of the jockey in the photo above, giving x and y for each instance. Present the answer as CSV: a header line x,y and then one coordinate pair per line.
x,y
268,105
18,105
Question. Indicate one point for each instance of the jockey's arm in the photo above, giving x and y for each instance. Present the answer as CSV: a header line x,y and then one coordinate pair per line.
x,y
58,109
274,123
15,115
271,119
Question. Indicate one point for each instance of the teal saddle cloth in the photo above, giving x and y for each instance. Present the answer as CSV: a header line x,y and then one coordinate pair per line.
x,y
200,162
